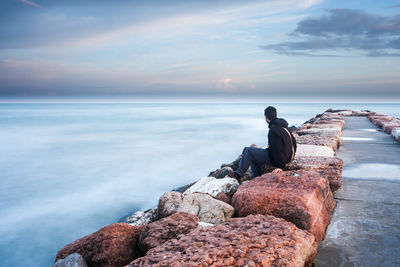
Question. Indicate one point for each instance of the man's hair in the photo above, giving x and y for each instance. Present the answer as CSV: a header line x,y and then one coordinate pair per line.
x,y
270,113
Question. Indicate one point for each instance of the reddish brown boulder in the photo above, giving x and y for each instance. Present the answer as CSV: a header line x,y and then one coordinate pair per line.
x,y
252,241
328,167
158,232
223,197
301,197
388,126
380,120
112,245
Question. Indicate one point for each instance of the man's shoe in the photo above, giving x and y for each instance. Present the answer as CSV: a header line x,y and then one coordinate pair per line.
x,y
234,175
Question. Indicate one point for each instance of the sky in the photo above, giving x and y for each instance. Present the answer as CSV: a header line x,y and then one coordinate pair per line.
x,y
287,49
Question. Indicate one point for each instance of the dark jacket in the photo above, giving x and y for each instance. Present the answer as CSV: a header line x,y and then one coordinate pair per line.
x,y
282,147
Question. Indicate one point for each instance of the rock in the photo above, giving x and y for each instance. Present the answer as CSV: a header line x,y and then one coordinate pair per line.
x,y
169,203
221,173
334,131
204,206
388,126
251,241
223,197
204,225
313,139
380,120
73,260
156,233
112,245
142,217
301,197
234,164
213,186
328,167
345,113
395,133
312,150
329,124
361,113
182,189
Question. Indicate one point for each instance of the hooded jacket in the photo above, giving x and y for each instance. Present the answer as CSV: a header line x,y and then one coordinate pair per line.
x,y
281,142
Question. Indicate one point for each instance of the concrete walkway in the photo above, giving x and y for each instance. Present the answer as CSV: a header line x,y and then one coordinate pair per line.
x,y
365,227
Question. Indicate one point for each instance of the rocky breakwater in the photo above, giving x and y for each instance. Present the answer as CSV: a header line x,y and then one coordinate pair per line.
x,y
389,125
279,218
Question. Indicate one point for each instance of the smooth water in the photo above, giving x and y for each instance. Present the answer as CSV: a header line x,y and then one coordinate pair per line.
x,y
68,169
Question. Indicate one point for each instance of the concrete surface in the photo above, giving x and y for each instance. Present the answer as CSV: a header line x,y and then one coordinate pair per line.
x,y
365,227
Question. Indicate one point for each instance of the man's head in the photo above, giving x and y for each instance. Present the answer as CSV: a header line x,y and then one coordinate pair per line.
x,y
270,113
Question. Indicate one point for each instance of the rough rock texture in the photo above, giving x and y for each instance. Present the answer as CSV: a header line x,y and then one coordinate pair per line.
x,y
313,139
328,167
222,172
204,206
73,260
318,151
169,203
223,197
112,245
213,186
142,217
157,233
301,197
251,241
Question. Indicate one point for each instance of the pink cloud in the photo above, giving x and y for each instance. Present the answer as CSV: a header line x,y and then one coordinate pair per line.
x,y
30,3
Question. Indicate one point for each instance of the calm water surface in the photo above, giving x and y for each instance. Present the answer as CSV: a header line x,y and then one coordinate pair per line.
x,y
68,169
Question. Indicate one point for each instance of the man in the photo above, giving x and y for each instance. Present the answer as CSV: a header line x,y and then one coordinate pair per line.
x,y
280,151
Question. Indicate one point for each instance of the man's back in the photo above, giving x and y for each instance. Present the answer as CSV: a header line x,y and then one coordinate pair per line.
x,y
282,144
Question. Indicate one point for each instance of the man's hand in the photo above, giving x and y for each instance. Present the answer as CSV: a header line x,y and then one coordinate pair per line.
x,y
253,145
276,171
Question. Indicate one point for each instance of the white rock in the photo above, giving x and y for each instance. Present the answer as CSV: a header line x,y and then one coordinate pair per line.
x,y
345,112
73,260
207,208
313,150
213,186
205,225
396,133
204,206
142,217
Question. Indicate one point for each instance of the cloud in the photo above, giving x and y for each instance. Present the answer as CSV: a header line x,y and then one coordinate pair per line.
x,y
341,31
30,3
65,23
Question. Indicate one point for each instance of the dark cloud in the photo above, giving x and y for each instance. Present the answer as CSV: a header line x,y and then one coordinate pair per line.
x,y
343,30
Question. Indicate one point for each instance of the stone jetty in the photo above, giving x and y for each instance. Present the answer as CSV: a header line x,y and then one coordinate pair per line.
x,y
271,220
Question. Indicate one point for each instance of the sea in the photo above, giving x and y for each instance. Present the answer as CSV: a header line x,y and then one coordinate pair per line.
x,y
67,169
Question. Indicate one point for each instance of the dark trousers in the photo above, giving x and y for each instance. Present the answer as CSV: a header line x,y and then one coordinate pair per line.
x,y
254,157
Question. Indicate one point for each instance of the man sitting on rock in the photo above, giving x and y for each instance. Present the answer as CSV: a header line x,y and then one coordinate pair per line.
x,y
280,151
